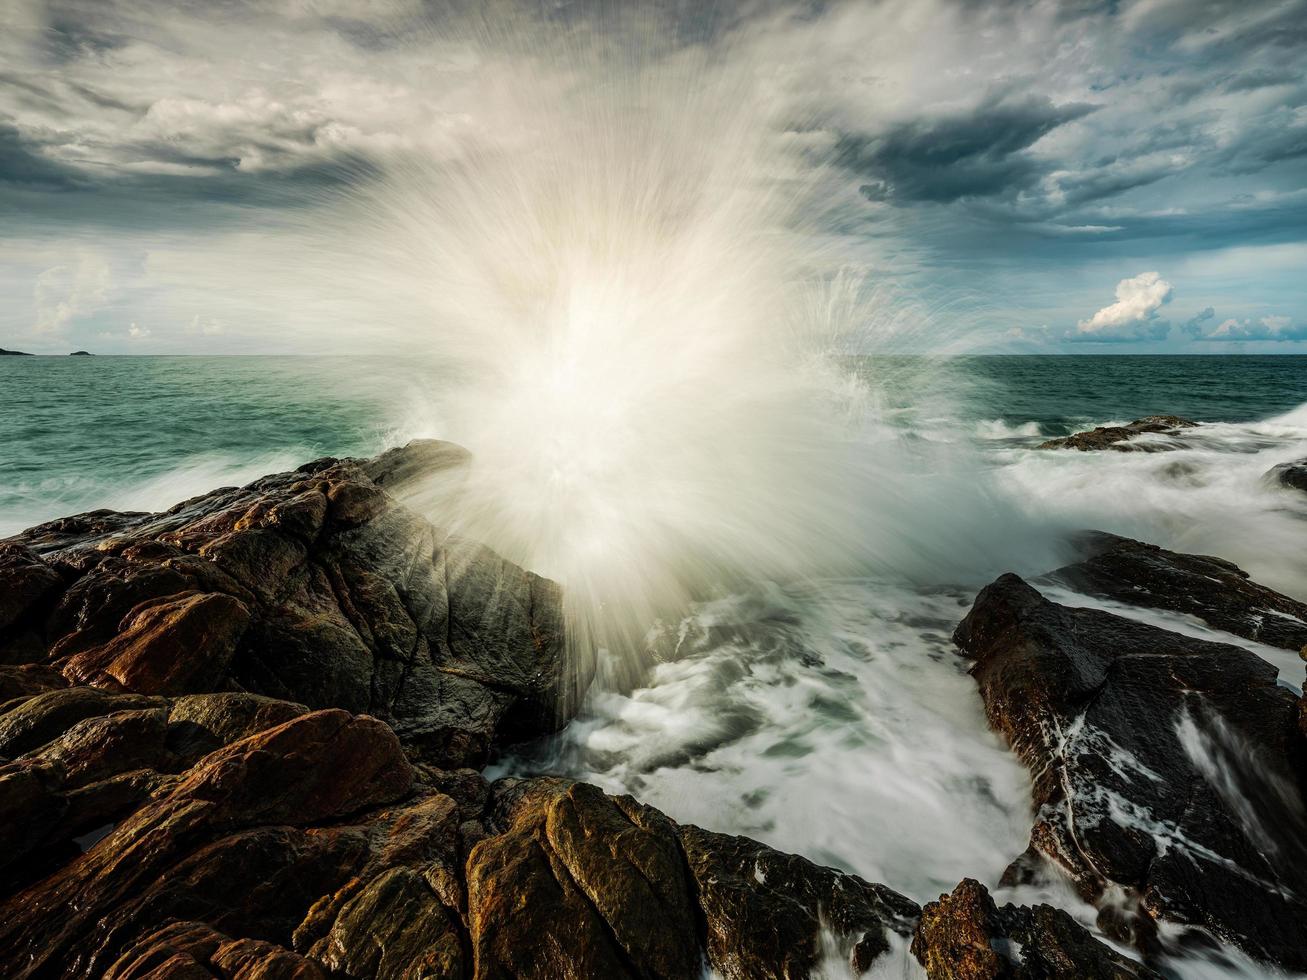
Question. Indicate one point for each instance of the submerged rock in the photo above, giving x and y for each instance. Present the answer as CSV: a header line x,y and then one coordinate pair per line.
x,y
314,586
1170,773
1291,476
1216,591
1122,437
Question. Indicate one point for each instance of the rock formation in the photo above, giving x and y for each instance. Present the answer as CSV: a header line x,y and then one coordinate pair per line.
x,y
1292,476
1123,437
1214,590
241,739
313,586
1170,773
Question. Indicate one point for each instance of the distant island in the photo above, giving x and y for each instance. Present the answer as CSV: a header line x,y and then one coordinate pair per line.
x,y
23,353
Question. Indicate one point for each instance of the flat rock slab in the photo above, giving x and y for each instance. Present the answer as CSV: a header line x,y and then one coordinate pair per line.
x,y
1168,771
1124,438
1214,590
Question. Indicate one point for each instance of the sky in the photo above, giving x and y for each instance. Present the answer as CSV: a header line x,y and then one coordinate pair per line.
x,y
1050,177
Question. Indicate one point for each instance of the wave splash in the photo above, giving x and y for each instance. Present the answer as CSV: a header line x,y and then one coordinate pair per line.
x,y
640,310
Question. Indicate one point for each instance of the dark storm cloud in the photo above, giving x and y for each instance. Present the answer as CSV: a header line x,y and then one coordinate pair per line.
x,y
978,153
22,164
985,135
1193,327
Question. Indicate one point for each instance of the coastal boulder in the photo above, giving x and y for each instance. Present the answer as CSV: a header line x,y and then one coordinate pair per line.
x,y
1170,773
315,586
1124,438
1214,590
966,936
1291,476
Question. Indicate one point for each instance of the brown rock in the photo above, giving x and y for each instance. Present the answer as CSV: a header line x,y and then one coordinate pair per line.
x,y
314,587
312,768
1122,438
193,949
223,844
18,683
765,911
394,926
42,718
579,884
177,645
965,936
28,586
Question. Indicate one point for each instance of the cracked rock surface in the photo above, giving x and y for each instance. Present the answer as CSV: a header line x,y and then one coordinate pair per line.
x,y
240,739
1170,773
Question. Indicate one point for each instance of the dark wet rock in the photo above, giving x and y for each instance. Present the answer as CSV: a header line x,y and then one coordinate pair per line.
x,y
24,681
192,949
966,936
1170,773
227,843
1123,437
1292,476
28,588
174,645
46,716
314,586
1216,591
85,759
765,911
309,848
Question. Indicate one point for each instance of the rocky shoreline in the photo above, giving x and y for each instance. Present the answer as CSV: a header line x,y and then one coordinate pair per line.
x,y
243,738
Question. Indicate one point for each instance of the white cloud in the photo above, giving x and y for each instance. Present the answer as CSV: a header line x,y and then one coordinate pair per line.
x,y
205,326
1134,314
65,292
1027,335
1266,328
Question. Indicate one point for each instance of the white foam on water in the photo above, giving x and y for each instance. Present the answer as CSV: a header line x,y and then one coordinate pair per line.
x,y
834,721
188,477
999,429
1211,496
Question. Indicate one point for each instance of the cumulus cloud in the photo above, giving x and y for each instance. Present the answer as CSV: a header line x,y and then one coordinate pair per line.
x,y
64,293
1278,328
1134,314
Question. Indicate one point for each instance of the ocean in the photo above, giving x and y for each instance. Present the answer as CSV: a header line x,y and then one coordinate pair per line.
x,y
827,715
144,432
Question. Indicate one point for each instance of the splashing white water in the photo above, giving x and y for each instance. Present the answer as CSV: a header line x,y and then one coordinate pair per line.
x,y
639,309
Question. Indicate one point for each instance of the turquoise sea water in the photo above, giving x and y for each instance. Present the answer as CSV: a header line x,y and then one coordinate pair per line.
x,y
143,432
